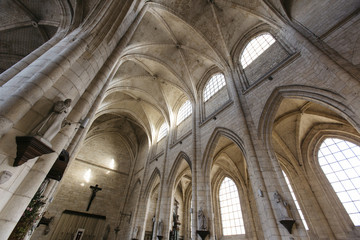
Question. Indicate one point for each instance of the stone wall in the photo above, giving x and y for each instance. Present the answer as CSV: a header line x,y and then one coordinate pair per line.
x,y
248,119
215,102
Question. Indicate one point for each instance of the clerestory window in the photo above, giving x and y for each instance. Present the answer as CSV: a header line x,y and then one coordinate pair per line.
x,y
216,82
162,131
296,202
184,111
340,162
255,48
230,208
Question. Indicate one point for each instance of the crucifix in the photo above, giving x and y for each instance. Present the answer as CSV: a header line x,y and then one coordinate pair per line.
x,y
94,190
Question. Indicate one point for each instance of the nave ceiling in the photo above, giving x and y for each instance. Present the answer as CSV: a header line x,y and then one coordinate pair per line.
x,y
175,47
178,45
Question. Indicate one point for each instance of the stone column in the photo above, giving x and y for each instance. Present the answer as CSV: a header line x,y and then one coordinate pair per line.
x,y
100,85
26,88
89,102
47,198
259,167
141,209
27,178
50,189
163,208
14,208
31,85
200,185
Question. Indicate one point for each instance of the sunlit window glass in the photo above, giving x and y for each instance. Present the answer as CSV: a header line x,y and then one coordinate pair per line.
x,y
296,202
340,161
215,83
255,48
231,216
162,131
184,111
191,218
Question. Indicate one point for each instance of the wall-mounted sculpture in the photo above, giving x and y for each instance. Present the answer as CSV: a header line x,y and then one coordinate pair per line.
x,y
38,143
283,209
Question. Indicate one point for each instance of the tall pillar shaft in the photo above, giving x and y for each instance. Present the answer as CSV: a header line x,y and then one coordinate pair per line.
x,y
15,207
25,89
259,169
34,82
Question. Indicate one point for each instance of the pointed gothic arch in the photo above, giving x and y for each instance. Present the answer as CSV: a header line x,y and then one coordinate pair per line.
x,y
292,104
220,162
215,136
155,174
324,97
172,175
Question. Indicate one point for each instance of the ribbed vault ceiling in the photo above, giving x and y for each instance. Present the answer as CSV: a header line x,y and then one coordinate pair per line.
x,y
171,52
24,26
172,49
294,120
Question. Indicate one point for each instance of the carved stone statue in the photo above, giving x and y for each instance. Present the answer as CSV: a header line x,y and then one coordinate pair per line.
x,y
135,233
5,176
202,221
43,186
160,228
283,207
52,124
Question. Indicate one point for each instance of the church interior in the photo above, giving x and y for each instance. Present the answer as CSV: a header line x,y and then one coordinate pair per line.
x,y
179,119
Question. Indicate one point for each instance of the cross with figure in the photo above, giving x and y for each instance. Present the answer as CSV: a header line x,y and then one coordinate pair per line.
x,y
94,190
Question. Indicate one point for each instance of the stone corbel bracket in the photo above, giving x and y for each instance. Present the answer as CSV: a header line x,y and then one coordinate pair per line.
x,y
29,147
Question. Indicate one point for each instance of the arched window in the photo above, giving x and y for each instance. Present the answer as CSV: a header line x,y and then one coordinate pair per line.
x,y
191,217
340,161
216,82
184,111
296,202
255,48
162,131
231,216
